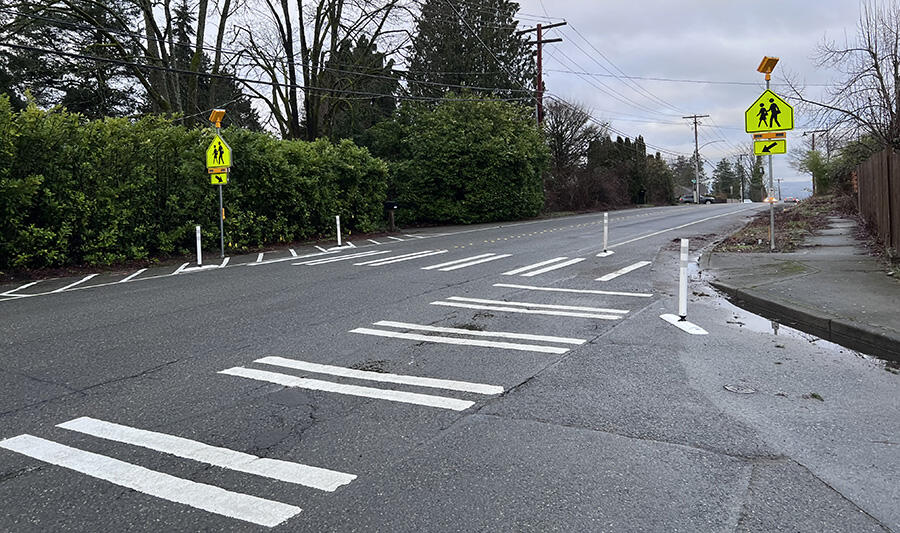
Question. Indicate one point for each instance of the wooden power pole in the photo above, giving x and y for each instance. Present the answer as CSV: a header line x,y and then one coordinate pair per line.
x,y
539,89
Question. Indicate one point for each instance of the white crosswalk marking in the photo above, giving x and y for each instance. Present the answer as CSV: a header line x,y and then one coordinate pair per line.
x,y
623,271
400,258
476,333
308,476
536,265
456,261
79,282
20,287
462,342
382,377
198,495
350,390
539,306
578,291
322,261
395,238
476,262
511,307
553,267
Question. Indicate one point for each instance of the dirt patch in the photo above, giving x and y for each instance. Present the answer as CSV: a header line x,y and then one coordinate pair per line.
x,y
793,224
371,365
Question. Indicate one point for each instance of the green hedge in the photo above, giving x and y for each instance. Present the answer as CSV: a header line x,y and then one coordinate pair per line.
x,y
97,192
464,160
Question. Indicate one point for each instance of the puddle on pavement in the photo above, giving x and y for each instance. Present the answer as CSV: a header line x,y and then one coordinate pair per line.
x,y
741,318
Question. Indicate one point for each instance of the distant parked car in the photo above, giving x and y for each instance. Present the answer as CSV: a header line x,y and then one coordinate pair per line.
x,y
748,201
689,199
792,200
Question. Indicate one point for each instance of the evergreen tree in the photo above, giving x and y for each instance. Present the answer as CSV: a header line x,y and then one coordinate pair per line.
x,y
660,181
725,179
461,43
757,187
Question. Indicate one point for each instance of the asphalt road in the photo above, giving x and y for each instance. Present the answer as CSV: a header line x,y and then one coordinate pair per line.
x,y
322,393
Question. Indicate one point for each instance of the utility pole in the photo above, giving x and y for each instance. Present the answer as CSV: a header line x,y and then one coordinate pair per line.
x,y
779,180
827,148
539,89
743,173
696,158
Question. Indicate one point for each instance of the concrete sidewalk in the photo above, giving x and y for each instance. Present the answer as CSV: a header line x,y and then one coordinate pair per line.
x,y
830,288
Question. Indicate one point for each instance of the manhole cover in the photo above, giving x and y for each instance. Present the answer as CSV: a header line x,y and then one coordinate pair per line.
x,y
737,389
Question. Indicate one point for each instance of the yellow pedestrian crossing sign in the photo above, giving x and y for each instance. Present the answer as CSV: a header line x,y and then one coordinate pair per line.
x,y
218,179
769,146
769,113
218,154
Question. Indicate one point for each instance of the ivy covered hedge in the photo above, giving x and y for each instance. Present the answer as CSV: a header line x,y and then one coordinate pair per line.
x,y
97,192
462,161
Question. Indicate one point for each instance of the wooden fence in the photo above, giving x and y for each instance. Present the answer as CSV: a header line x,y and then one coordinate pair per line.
x,y
879,195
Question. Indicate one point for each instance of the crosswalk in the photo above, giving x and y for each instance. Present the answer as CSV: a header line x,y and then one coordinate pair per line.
x,y
211,498
416,398
464,337
548,266
530,308
400,258
466,262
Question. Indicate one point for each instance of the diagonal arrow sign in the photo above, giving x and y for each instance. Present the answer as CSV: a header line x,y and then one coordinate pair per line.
x,y
769,147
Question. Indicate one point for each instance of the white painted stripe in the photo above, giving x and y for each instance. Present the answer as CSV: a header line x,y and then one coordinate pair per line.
x,y
456,261
225,262
29,284
179,269
540,306
411,254
414,236
477,262
373,241
79,282
475,333
383,377
461,342
683,325
553,267
536,265
132,275
198,495
293,252
623,271
341,258
527,311
259,257
629,241
300,474
320,249
286,380
350,245
400,259
606,253
578,291
396,238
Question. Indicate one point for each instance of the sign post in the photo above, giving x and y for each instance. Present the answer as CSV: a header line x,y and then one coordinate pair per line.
x,y
218,163
769,113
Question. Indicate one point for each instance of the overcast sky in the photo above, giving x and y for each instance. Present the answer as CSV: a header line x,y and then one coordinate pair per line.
x,y
688,39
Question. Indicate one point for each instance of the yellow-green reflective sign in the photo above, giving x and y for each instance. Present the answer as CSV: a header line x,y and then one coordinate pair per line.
x,y
769,113
218,154
770,146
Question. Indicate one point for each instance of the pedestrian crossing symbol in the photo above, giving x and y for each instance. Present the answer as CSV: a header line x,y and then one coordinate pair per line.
x,y
218,154
769,113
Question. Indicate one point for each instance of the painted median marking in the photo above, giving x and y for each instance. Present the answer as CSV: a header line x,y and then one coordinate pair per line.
x,y
70,285
549,265
532,308
623,271
325,260
466,262
683,325
441,339
20,287
167,487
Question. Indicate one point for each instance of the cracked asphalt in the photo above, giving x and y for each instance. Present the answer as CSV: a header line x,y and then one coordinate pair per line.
x,y
610,424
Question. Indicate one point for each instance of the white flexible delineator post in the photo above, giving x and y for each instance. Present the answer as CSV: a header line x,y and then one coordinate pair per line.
x,y
337,222
605,231
682,281
199,249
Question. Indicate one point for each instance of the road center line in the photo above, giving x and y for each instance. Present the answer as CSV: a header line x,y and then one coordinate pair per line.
x,y
475,333
462,342
623,271
300,474
383,377
198,495
286,380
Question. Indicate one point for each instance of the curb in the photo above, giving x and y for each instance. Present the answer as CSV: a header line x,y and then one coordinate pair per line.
x,y
849,334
